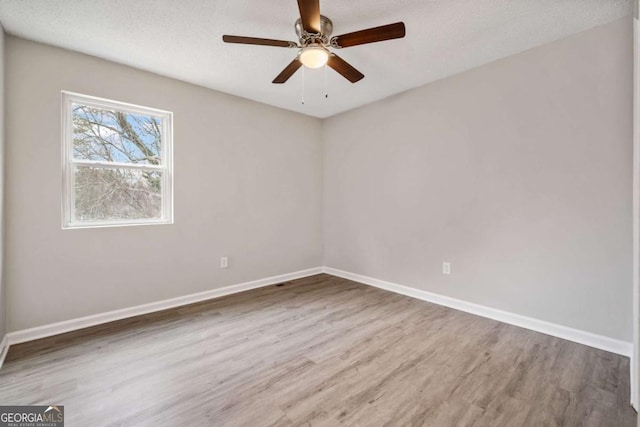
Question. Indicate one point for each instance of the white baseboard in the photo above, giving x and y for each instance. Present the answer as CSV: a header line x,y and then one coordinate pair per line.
x,y
582,337
4,349
44,331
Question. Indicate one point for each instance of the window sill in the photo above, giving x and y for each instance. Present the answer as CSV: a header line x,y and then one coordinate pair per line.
x,y
73,226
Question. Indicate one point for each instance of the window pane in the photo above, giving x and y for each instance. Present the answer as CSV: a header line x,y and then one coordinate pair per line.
x,y
115,136
117,194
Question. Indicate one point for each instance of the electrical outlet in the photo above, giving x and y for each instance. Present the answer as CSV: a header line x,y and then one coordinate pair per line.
x,y
224,262
446,268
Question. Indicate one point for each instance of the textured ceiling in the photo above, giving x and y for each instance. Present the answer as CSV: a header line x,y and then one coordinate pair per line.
x,y
182,39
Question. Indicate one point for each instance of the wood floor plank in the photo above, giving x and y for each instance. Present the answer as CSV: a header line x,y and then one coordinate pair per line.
x,y
319,351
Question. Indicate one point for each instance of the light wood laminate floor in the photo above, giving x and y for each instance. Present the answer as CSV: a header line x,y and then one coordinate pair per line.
x,y
318,351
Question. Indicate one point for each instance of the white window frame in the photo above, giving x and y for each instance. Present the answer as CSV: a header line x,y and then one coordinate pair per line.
x,y
69,163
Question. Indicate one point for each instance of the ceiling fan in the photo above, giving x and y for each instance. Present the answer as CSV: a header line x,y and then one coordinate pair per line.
x,y
314,34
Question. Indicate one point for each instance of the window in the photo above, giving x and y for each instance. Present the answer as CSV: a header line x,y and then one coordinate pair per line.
x,y
116,163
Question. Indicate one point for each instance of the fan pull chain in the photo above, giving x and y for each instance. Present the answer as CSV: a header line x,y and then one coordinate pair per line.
x,y
326,86
303,85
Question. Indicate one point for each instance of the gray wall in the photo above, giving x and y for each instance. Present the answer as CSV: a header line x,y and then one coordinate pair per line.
x,y
248,184
3,299
518,173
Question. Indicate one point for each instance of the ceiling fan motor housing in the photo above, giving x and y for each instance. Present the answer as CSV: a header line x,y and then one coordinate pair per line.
x,y
326,29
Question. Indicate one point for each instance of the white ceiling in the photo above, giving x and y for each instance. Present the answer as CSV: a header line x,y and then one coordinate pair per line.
x,y
182,39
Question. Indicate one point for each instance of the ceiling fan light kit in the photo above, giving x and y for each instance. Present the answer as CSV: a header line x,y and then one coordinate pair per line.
x,y
314,35
314,56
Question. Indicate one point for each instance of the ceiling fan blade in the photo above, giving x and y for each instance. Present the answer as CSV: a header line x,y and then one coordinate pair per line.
x,y
371,35
288,71
343,68
310,15
258,41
